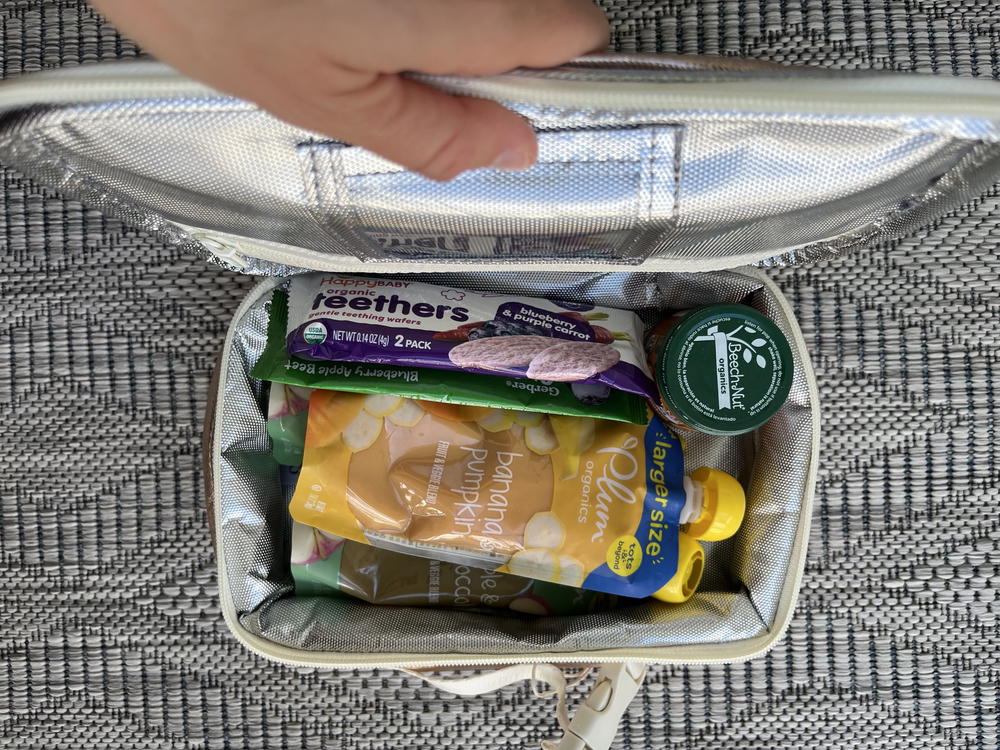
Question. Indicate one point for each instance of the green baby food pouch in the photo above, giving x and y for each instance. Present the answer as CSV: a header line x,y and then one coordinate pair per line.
x,y
326,565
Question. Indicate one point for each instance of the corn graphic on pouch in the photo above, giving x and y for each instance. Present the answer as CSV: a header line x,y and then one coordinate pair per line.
x,y
572,500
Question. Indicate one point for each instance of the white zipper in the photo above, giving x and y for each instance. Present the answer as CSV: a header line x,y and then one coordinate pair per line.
x,y
887,94
294,657
94,83
222,250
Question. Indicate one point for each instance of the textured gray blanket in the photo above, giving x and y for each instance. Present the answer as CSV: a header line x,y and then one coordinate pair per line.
x,y
111,635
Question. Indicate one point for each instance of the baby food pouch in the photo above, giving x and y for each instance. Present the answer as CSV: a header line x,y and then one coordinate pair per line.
x,y
408,323
324,565
454,386
287,409
577,501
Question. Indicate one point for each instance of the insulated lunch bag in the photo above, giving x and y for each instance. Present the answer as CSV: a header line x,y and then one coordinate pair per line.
x,y
662,183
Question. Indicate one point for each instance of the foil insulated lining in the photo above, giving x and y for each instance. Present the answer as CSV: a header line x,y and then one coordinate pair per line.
x,y
612,186
746,576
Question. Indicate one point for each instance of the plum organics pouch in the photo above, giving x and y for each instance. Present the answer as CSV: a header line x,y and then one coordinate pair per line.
x,y
454,386
333,317
581,502
324,565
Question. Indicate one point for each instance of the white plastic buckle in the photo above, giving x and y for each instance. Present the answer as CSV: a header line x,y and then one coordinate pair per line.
x,y
595,723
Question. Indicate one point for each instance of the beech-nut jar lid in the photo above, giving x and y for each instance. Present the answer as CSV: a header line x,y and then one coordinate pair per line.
x,y
724,369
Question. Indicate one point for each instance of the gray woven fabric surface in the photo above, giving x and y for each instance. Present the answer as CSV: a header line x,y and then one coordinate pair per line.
x,y
112,636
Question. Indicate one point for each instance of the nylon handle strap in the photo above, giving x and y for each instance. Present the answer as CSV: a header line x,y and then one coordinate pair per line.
x,y
595,723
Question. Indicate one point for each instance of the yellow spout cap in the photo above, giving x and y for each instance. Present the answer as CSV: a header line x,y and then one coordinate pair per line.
x,y
690,565
724,504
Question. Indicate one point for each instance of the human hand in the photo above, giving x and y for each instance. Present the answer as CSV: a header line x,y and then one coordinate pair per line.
x,y
333,66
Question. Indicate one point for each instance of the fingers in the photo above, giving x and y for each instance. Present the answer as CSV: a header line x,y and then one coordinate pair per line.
x,y
330,65
420,128
464,37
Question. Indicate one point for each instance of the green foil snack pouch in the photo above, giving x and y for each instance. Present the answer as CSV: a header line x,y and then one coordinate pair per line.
x,y
287,415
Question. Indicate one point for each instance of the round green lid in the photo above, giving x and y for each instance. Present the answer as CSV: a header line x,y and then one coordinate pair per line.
x,y
725,369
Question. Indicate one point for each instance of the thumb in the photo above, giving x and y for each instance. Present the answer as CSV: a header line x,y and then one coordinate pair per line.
x,y
422,129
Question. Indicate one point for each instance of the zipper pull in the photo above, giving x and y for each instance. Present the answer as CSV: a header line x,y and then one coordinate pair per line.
x,y
224,253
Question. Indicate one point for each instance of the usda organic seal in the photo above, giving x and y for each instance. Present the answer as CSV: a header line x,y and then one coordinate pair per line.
x,y
314,333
